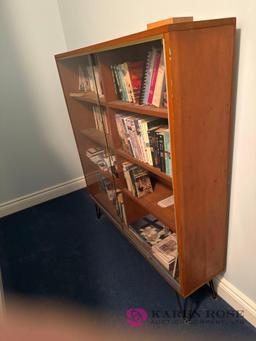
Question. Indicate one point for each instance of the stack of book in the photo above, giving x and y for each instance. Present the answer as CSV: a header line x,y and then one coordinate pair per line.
x,y
166,252
153,88
158,239
90,79
98,156
137,180
146,139
100,118
128,80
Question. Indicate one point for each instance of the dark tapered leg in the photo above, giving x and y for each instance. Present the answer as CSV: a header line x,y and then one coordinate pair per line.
x,y
98,211
214,294
187,310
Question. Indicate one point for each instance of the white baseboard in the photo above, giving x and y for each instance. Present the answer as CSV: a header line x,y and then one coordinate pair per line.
x,y
234,297
38,197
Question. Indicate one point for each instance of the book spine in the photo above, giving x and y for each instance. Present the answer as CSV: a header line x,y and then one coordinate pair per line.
x,y
127,177
91,78
143,130
130,132
119,85
132,180
139,139
114,81
153,78
128,83
161,154
146,81
122,81
153,147
136,73
119,76
147,144
168,166
158,93
98,80
134,138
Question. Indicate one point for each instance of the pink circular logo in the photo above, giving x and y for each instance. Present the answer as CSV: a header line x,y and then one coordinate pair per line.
x,y
136,316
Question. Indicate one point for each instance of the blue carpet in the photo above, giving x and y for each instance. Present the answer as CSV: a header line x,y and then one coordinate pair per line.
x,y
59,250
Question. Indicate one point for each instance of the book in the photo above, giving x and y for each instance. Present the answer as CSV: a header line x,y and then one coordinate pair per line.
x,y
141,181
83,81
166,251
167,152
120,73
160,81
128,82
154,76
147,75
98,81
160,147
154,146
135,70
137,180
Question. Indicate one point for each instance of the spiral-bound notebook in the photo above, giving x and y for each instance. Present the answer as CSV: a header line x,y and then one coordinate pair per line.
x,y
153,82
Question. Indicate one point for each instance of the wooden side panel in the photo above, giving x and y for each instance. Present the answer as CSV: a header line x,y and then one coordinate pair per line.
x,y
201,76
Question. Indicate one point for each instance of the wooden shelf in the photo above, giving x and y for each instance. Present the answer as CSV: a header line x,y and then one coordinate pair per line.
x,y
90,97
142,164
140,109
97,136
149,203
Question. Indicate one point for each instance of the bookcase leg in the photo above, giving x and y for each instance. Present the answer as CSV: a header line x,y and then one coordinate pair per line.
x,y
213,291
98,211
186,308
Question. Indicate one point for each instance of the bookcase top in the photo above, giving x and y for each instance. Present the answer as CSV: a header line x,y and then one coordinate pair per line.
x,y
144,36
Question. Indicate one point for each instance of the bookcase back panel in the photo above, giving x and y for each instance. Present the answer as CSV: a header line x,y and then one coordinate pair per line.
x,y
202,63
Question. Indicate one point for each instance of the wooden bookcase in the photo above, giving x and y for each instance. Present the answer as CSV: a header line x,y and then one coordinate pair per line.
x,y
199,70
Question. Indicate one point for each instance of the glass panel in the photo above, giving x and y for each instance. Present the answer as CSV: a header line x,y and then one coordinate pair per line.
x,y
84,93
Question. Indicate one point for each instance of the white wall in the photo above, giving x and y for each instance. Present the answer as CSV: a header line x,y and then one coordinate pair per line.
x,y
37,148
87,22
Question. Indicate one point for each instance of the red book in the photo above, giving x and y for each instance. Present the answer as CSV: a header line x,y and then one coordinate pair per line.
x,y
136,74
154,76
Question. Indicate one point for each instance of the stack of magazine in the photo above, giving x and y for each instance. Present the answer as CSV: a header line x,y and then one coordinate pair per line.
x,y
158,239
166,252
